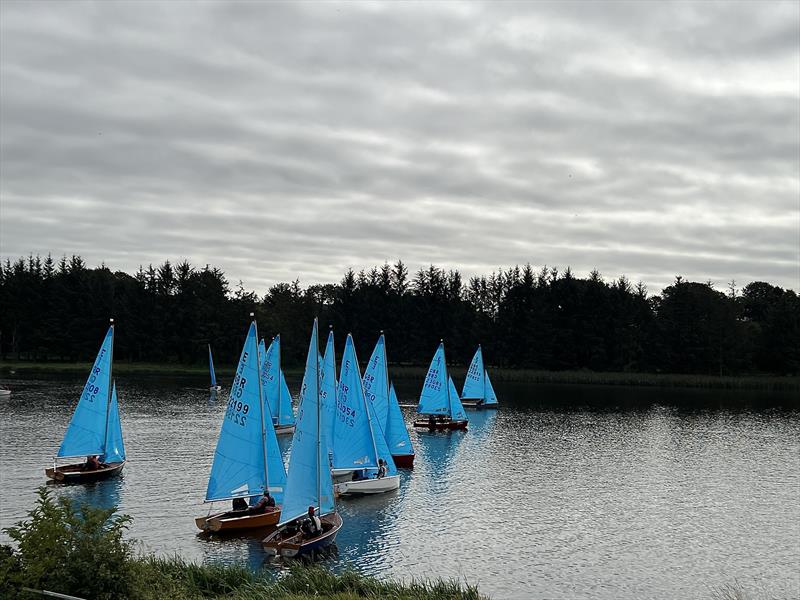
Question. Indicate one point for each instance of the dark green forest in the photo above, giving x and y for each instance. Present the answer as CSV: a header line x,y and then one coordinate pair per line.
x,y
58,310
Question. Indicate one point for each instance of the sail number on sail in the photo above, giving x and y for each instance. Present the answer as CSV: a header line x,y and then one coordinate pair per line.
x,y
347,415
91,389
432,381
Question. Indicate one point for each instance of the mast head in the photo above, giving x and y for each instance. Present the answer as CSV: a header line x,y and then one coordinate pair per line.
x,y
111,320
252,314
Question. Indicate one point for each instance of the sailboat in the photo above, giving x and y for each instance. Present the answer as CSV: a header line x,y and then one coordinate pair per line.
x,y
381,393
215,387
247,460
309,482
478,391
439,404
95,429
277,392
358,439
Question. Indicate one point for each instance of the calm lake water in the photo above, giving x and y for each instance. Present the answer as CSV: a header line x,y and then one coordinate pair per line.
x,y
565,492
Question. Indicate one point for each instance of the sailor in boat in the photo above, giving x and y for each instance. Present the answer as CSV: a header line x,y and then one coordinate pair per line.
x,y
381,469
311,525
266,501
240,504
92,463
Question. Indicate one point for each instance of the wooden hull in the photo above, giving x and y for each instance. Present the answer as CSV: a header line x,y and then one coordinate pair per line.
x,y
284,429
288,542
368,486
403,461
76,474
238,521
439,425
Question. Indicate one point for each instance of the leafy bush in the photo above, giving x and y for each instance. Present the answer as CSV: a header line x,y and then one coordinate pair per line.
x,y
69,549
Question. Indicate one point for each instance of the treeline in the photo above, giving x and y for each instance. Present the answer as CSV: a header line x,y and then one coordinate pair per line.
x,y
541,319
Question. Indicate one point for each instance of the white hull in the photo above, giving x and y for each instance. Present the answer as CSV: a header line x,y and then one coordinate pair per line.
x,y
368,486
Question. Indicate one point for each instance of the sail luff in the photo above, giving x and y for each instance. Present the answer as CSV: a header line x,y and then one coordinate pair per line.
x,y
364,400
108,402
446,379
319,420
262,400
280,387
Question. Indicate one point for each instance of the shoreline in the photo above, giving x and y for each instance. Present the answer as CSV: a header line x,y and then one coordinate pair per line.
x,y
768,383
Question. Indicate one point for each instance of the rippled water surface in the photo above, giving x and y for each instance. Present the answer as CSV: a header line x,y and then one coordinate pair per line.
x,y
556,495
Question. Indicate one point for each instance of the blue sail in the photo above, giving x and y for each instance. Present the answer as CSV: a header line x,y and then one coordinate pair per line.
x,y
397,437
211,368
474,384
239,469
491,397
327,392
270,374
115,446
353,441
276,471
376,385
457,412
309,481
433,398
379,436
285,414
86,433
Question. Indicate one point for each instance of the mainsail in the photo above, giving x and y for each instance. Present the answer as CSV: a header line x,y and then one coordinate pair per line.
x,y
274,384
247,458
327,392
376,384
211,368
86,433
354,436
309,481
474,384
433,399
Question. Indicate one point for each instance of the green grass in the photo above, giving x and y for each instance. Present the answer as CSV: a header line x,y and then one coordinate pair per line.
x,y
23,369
176,578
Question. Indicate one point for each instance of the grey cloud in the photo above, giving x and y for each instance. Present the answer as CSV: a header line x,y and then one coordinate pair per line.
x,y
283,140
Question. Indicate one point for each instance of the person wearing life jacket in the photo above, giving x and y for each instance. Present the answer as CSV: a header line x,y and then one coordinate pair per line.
x,y
266,501
381,469
92,463
311,526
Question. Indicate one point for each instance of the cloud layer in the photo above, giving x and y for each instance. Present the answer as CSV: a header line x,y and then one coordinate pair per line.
x,y
296,140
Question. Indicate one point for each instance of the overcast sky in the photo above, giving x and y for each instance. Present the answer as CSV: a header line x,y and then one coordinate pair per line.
x,y
278,141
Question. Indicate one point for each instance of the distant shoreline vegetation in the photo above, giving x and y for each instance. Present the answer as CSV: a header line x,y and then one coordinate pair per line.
x,y
536,324
771,383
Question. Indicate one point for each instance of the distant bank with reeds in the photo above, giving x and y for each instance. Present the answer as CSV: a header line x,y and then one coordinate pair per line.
x,y
770,383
